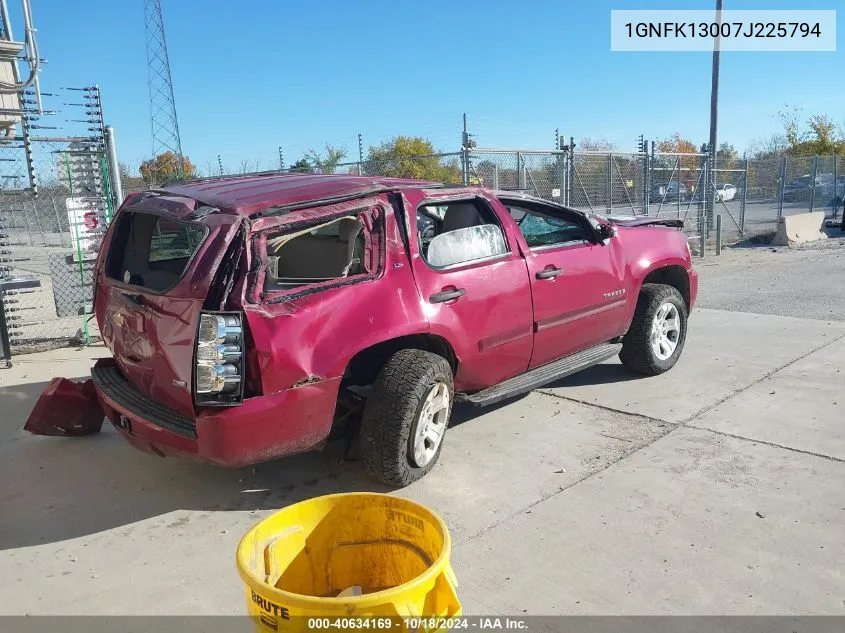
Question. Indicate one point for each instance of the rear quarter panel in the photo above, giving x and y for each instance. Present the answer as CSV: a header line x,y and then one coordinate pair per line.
x,y
313,338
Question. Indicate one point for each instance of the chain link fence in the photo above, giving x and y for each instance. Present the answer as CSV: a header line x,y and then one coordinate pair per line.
x,y
49,235
750,195
50,239
55,204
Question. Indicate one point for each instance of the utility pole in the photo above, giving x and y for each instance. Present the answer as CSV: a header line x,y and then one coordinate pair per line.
x,y
714,115
360,155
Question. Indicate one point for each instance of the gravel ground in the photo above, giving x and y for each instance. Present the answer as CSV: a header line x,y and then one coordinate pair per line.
x,y
806,282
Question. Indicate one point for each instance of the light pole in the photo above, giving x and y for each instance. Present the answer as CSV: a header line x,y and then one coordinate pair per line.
x,y
714,113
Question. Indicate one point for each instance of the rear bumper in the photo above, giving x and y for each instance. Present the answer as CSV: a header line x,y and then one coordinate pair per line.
x,y
260,429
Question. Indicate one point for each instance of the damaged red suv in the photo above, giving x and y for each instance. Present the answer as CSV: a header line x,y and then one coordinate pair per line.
x,y
247,317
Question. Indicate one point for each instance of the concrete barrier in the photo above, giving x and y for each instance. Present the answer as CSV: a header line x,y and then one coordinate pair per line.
x,y
800,228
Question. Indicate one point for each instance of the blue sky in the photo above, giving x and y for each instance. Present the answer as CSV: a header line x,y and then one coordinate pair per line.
x,y
253,75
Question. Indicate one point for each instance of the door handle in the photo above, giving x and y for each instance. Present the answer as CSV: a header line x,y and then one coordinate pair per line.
x,y
549,273
447,295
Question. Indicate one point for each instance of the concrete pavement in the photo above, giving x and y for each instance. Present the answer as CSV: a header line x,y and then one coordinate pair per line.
x,y
699,491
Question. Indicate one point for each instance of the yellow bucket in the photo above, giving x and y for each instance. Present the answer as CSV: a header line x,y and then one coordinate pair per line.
x,y
338,560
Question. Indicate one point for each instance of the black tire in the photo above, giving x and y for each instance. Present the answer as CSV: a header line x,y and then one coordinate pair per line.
x,y
392,412
637,353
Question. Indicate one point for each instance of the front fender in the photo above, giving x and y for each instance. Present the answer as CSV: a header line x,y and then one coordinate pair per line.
x,y
651,250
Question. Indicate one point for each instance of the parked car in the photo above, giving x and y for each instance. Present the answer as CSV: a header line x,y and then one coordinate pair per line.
x,y
799,189
670,192
725,192
802,188
248,317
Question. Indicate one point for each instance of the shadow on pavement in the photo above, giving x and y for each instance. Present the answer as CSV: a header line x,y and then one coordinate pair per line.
x,y
16,402
603,374
55,489
463,412
62,488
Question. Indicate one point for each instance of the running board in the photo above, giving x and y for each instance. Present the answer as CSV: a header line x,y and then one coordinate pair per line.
x,y
542,375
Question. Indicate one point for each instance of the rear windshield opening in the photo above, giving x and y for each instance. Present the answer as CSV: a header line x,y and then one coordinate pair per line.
x,y
335,250
152,251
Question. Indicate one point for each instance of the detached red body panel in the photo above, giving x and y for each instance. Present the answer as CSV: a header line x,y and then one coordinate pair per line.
x,y
239,310
66,408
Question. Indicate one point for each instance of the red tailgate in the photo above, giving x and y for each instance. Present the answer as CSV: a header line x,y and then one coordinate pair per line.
x,y
160,258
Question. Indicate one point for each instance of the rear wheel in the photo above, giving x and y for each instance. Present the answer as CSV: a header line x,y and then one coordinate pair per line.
x,y
406,417
658,332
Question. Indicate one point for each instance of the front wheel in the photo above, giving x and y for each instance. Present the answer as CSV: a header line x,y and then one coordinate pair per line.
x,y
405,419
658,332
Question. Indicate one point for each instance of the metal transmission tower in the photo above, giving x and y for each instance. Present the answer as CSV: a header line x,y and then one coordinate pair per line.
x,y
165,127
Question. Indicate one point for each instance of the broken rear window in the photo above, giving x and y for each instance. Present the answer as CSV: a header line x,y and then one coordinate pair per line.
x,y
335,250
152,251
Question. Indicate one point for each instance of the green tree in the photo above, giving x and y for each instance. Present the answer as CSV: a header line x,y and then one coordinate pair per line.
x,y
410,157
790,119
302,166
820,135
166,168
727,157
326,163
727,151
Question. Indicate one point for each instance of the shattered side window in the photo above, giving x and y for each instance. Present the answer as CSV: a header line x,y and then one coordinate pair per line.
x,y
334,250
540,229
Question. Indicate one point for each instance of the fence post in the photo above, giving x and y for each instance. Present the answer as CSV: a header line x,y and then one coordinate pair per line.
x,y
645,179
744,198
702,208
114,168
835,188
718,234
561,176
813,190
680,181
570,170
649,159
5,343
520,173
782,184
565,168
609,184
710,191
495,177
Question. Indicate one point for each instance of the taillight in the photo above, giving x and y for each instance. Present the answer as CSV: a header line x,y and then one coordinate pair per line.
x,y
218,375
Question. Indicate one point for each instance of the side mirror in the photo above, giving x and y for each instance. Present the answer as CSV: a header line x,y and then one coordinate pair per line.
x,y
466,245
606,231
